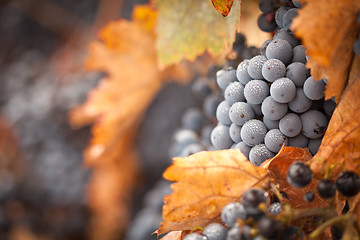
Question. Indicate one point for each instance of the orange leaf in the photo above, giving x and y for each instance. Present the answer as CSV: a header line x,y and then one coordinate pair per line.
x,y
341,143
278,166
173,235
328,29
126,52
205,183
223,6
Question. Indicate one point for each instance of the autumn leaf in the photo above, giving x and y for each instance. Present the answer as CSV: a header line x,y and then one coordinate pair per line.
x,y
341,143
186,29
126,52
278,166
205,183
173,235
328,29
223,6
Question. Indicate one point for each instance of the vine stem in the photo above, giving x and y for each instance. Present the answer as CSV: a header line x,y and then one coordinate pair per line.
x,y
340,219
325,213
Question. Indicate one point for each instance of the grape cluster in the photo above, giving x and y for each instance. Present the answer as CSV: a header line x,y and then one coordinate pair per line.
x,y
277,14
198,122
249,219
271,99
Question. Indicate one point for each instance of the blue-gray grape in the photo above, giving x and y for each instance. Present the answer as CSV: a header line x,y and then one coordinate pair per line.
x,y
314,145
234,233
314,90
231,212
235,131
234,93
267,6
222,113
220,137
280,14
288,17
290,125
265,25
240,112
297,4
210,105
314,124
194,236
273,69
191,149
275,208
201,87
192,119
185,136
253,132
255,67
279,49
259,153
298,141
356,47
256,91
264,46
215,231
244,148
289,37
271,124
242,72
300,103
283,90
329,107
257,109
206,135
299,54
272,109
298,73
274,140
225,76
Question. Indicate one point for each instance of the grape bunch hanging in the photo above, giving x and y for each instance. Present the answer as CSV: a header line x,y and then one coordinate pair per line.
x,y
271,100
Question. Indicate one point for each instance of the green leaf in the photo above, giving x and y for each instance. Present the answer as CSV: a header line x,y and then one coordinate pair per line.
x,y
188,28
223,6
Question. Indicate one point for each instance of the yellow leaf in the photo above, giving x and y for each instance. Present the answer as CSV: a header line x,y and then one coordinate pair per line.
x,y
328,29
223,6
187,28
205,183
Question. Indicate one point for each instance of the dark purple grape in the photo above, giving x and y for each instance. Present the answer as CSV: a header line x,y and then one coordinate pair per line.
x,y
326,188
299,174
309,196
269,228
348,183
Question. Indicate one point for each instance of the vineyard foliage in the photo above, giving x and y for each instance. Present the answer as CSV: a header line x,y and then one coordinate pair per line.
x,y
138,56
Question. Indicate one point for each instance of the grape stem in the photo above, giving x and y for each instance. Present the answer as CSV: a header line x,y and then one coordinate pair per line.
x,y
325,213
349,233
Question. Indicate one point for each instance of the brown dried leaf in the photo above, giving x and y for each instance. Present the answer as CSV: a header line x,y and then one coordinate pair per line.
x,y
328,29
223,6
205,183
278,166
341,143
